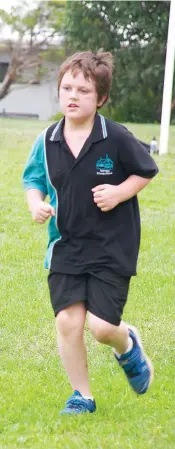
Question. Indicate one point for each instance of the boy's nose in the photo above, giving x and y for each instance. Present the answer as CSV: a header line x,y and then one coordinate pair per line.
x,y
73,94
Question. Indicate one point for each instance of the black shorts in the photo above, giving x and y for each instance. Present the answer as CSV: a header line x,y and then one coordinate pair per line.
x,y
104,293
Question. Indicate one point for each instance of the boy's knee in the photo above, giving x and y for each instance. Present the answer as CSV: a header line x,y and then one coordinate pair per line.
x,y
70,321
99,328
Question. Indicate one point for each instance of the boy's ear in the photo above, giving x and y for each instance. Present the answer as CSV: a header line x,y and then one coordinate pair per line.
x,y
102,101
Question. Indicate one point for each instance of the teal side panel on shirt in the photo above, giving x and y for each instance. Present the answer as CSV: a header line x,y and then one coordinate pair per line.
x,y
35,177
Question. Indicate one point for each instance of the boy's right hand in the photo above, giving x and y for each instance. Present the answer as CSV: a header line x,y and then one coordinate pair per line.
x,y
41,211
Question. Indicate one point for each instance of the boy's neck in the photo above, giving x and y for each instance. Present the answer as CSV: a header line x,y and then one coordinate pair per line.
x,y
83,125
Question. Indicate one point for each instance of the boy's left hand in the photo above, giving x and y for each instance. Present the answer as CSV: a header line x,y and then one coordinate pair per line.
x,y
105,196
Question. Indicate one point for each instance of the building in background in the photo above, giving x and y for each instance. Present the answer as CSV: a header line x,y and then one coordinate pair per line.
x,y
33,94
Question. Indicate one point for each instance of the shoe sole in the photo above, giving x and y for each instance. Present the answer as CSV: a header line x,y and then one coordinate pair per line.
x,y
150,365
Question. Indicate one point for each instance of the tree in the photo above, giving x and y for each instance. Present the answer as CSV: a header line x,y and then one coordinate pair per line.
x,y
136,34
36,30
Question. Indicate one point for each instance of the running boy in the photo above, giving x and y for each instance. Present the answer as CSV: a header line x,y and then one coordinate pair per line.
x,y
92,170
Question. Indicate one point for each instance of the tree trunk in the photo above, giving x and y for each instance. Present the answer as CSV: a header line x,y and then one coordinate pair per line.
x,y
8,80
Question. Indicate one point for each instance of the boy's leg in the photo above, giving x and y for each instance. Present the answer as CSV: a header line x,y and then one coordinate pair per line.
x,y
70,330
135,363
107,295
67,293
115,336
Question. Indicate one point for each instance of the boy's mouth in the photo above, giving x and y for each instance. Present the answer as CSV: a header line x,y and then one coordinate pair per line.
x,y
72,105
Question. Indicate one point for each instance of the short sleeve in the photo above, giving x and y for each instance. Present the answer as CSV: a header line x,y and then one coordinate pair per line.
x,y
134,156
34,176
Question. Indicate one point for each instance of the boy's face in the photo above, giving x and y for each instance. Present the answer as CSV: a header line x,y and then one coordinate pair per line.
x,y
78,96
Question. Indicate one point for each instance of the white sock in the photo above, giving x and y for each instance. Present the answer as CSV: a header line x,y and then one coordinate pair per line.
x,y
88,397
129,347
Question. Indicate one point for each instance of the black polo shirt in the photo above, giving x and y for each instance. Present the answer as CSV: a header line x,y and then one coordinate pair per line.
x,y
92,239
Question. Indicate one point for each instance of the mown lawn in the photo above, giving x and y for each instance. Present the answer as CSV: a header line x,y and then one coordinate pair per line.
x,y
33,385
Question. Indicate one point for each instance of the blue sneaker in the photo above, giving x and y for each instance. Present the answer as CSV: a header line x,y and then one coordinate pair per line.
x,y
136,365
77,404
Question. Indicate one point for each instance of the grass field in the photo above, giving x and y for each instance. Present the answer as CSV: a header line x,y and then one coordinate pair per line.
x,y
33,385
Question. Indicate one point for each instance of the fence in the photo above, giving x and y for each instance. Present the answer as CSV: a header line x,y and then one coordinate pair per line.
x,y
17,115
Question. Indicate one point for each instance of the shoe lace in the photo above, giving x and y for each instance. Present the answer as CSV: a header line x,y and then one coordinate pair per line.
x,y
75,403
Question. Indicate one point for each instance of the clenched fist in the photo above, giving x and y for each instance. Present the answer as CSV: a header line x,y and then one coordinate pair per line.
x,y
41,211
106,196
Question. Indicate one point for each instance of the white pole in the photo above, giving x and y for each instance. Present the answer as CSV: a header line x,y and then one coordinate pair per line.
x,y
168,82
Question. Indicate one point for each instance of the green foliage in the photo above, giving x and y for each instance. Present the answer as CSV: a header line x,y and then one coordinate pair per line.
x,y
57,117
54,54
35,29
136,33
33,384
46,17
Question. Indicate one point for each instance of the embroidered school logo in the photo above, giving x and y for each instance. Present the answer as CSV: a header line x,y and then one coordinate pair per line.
x,y
104,166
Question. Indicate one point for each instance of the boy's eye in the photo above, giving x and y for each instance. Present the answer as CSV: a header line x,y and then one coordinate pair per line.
x,y
81,89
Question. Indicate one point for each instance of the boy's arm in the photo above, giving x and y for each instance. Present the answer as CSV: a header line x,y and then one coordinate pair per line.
x,y
40,210
35,184
34,196
34,175
129,188
138,166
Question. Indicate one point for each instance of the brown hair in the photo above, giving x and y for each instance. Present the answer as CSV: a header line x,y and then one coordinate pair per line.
x,y
97,66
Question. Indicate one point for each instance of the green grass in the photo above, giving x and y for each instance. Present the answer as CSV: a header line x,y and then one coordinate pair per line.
x,y
33,385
